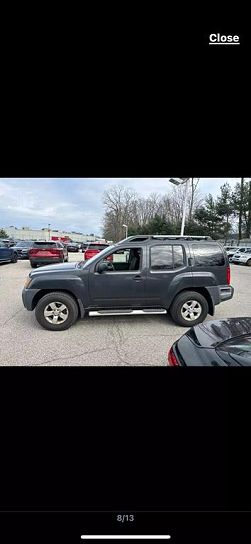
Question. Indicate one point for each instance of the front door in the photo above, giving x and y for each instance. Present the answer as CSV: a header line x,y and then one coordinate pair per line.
x,y
121,287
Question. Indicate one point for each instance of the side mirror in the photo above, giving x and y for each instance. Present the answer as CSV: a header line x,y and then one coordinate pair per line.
x,y
102,267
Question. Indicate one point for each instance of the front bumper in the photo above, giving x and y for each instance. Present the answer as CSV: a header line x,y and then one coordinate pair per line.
x,y
28,298
23,255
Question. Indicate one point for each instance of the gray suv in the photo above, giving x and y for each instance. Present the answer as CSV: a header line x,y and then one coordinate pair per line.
x,y
185,275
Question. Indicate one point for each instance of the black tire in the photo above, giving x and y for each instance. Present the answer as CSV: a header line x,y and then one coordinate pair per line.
x,y
14,258
248,262
65,299
33,265
186,297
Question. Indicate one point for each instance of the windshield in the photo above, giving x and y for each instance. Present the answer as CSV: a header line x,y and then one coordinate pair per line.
x,y
96,257
24,244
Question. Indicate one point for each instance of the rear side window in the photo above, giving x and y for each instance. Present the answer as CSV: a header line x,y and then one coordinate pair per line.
x,y
208,255
166,257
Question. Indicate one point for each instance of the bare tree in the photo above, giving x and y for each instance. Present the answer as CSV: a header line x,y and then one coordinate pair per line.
x,y
119,209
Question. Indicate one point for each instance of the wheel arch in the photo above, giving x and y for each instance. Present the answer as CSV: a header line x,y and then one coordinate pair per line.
x,y
43,292
204,292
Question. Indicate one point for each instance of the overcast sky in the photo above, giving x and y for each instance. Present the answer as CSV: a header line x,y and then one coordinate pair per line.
x,y
74,204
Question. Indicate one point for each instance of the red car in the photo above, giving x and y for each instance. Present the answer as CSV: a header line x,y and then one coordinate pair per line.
x,y
93,249
43,253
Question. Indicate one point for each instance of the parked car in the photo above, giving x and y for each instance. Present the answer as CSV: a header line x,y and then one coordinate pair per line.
x,y
186,275
93,249
8,242
73,246
43,253
231,250
7,254
83,246
22,248
242,257
226,342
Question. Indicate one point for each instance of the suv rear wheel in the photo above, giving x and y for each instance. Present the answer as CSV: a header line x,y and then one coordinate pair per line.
x,y
56,311
249,262
189,308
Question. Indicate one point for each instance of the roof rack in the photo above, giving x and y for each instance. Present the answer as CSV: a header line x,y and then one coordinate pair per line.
x,y
145,237
180,236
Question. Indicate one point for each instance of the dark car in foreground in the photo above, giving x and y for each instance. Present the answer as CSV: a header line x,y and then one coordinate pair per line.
x,y
141,275
43,253
7,254
22,248
225,342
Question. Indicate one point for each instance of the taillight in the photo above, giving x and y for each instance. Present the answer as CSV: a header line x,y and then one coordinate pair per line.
x,y
32,251
55,250
90,253
172,359
228,275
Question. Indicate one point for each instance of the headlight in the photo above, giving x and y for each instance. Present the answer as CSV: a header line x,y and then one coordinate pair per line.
x,y
27,282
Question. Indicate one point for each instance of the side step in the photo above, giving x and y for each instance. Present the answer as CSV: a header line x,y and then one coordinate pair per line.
x,y
127,312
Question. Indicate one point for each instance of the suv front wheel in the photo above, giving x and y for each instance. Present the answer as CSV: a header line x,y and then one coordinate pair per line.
x,y
56,311
189,308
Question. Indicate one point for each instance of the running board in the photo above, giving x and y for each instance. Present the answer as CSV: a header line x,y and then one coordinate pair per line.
x,y
127,312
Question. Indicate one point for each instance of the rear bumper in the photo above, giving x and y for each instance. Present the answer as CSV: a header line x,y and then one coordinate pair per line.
x,y
48,260
226,292
220,293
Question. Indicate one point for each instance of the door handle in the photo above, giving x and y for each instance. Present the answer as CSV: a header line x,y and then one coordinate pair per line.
x,y
137,278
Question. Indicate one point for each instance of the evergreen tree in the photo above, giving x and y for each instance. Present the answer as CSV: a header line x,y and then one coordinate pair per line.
x,y
3,234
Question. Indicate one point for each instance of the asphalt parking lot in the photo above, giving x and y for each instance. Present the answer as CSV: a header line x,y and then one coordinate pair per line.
x,y
95,341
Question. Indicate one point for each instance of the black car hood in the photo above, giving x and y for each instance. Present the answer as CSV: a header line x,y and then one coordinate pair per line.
x,y
54,268
212,333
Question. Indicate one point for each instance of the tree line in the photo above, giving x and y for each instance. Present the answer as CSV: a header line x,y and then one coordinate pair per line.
x,y
218,217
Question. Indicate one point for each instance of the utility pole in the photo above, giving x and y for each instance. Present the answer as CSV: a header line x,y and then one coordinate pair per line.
x,y
180,181
241,209
249,211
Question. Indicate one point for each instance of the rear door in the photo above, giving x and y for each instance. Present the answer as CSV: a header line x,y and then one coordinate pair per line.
x,y
209,264
168,272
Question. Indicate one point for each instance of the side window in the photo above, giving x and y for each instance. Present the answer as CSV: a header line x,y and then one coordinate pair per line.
x,y
208,255
161,258
121,256
126,259
166,257
178,256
